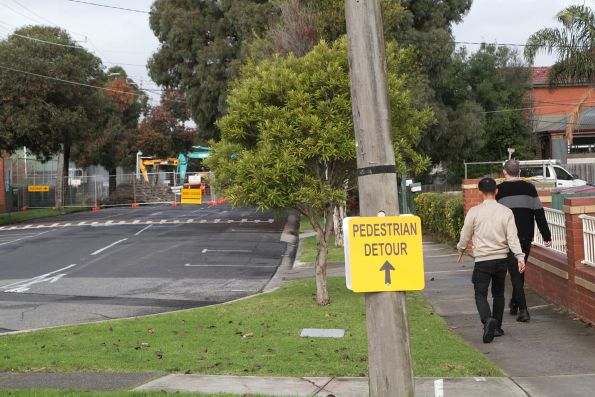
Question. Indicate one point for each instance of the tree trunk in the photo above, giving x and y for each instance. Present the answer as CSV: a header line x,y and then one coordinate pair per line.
x,y
112,180
338,215
59,190
322,238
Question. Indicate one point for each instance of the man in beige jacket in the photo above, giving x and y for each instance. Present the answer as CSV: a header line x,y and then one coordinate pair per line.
x,y
492,229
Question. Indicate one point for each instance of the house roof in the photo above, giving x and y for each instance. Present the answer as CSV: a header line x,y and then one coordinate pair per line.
x,y
540,74
557,122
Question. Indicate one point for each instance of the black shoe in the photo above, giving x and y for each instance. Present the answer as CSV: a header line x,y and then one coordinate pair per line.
x,y
514,308
488,329
498,332
523,316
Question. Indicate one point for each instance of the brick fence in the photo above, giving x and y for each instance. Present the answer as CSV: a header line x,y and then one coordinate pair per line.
x,y
562,279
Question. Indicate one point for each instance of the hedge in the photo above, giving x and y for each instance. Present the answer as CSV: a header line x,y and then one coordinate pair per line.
x,y
441,214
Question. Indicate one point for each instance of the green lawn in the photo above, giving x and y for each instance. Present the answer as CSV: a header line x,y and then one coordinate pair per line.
x,y
79,393
257,336
308,254
14,217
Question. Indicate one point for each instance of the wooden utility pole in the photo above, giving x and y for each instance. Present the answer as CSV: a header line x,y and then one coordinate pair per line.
x,y
389,354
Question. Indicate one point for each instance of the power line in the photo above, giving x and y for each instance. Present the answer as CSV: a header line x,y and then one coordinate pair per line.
x,y
6,67
417,40
108,6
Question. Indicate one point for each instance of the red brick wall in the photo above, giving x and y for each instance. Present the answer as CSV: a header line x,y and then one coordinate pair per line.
x,y
2,192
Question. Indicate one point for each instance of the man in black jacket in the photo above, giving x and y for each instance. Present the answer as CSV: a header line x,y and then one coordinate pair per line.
x,y
522,198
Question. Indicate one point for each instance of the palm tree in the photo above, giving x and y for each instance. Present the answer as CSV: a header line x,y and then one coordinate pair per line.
x,y
574,46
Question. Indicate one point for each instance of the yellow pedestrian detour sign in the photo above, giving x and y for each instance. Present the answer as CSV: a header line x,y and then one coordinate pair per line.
x,y
383,253
191,196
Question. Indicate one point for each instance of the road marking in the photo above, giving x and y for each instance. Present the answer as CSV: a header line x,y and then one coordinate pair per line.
x,y
163,221
439,388
82,223
217,221
434,249
203,221
26,237
142,230
136,221
440,256
23,286
271,221
204,251
244,220
189,265
99,251
156,213
54,225
27,226
190,221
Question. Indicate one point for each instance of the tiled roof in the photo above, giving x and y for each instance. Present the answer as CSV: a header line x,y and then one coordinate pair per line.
x,y
540,74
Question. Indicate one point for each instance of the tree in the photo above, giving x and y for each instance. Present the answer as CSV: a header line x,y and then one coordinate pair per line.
x,y
574,46
202,47
46,114
163,132
123,105
287,140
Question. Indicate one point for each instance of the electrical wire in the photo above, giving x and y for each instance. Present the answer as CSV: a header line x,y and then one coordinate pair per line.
x,y
6,67
108,6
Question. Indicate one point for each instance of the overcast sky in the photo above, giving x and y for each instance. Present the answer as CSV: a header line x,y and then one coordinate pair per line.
x,y
124,37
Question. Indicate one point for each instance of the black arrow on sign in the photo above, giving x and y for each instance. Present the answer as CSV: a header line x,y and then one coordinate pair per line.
x,y
387,268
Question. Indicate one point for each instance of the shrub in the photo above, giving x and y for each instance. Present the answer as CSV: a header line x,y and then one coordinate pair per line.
x,y
441,214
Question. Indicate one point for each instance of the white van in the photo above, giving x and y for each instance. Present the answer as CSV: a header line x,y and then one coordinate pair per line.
x,y
549,171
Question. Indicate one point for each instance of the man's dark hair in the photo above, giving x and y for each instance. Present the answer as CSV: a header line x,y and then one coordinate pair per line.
x,y
513,168
487,185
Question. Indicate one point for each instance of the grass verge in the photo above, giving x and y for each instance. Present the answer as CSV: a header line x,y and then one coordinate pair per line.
x,y
309,251
14,217
258,336
79,393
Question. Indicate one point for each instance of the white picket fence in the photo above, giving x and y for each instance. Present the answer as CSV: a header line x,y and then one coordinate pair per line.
x,y
557,224
589,239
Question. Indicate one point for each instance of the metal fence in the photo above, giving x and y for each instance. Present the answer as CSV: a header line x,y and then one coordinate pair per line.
x,y
557,223
585,171
589,239
95,190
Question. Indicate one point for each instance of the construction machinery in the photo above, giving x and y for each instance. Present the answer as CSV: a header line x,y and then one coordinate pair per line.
x,y
155,164
198,153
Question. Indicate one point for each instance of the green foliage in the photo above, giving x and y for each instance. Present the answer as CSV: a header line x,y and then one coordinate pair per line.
x,y
441,214
45,115
202,45
476,124
573,44
287,140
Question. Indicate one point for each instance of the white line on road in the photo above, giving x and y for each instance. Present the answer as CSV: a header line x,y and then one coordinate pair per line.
x,y
24,238
439,388
44,277
142,230
156,213
435,249
204,251
440,256
99,251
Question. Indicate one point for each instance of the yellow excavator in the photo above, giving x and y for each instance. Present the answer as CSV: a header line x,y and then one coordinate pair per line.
x,y
155,164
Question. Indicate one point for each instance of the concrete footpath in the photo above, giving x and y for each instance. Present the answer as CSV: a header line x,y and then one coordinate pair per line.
x,y
553,355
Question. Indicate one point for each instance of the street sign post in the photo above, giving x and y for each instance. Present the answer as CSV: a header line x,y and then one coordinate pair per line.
x,y
191,196
383,253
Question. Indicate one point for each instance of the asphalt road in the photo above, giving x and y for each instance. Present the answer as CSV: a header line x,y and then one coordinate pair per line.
x,y
125,262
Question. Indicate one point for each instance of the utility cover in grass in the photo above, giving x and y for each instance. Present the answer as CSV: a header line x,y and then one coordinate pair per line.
x,y
322,333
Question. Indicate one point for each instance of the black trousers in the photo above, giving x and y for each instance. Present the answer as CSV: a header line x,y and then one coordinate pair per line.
x,y
517,279
484,272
